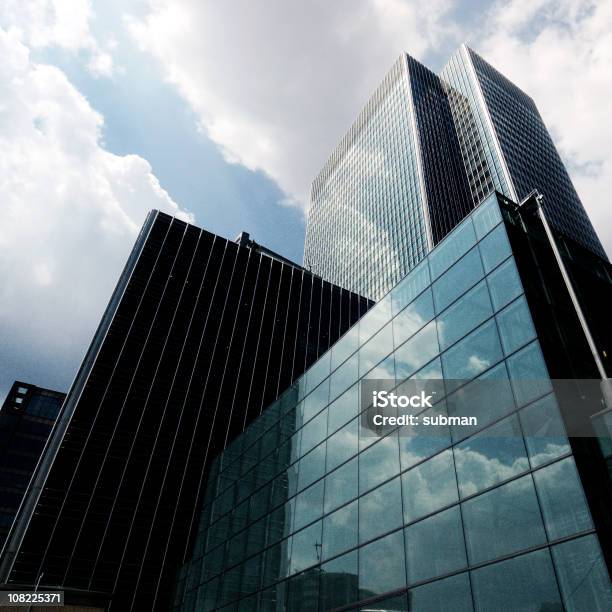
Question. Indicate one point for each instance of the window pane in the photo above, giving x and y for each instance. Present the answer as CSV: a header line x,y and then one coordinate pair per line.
x,y
318,371
375,318
544,431
343,409
429,486
435,546
316,401
380,511
415,353
563,503
465,273
313,432
515,326
382,565
503,521
345,347
311,467
340,530
495,248
464,315
522,584
302,592
408,288
345,376
474,354
413,318
493,455
583,576
343,444
528,374
389,604
306,548
339,582
379,462
486,216
461,239
375,349
309,505
449,595
504,284
341,485
385,370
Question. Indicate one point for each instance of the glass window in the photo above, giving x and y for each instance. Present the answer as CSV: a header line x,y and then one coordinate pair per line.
x,y
376,317
399,603
515,326
379,462
452,248
493,455
339,582
474,354
413,318
308,505
495,248
313,432
526,583
380,511
562,498
306,548
302,592
544,431
464,315
316,401
340,530
385,370
311,467
528,374
411,285
435,546
318,371
342,445
415,353
504,284
276,562
486,216
449,595
341,485
375,349
429,486
582,574
343,409
382,565
345,376
503,521
465,273
345,347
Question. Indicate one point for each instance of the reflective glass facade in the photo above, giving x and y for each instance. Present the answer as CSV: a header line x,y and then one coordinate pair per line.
x,y
506,145
304,511
394,185
26,419
200,334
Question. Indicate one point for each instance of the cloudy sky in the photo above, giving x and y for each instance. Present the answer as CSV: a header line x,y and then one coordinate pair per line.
x,y
222,113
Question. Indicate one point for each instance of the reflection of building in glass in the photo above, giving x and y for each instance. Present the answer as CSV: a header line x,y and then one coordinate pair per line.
x,y
200,334
26,419
422,153
514,512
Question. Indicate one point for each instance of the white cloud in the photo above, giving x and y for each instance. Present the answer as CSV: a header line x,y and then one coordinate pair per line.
x,y
277,83
560,53
70,213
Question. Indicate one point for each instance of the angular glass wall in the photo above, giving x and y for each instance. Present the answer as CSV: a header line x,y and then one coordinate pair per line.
x,y
305,512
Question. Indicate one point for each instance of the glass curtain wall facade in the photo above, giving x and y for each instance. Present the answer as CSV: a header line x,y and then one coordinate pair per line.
x,y
200,334
510,148
392,188
305,512
26,420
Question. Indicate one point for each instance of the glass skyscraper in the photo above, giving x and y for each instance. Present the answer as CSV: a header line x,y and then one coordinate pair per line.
x,y
422,153
200,334
307,511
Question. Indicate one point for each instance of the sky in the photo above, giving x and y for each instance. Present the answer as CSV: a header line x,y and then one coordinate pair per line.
x,y
221,113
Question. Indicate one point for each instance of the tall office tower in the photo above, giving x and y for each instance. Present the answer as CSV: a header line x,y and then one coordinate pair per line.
x,y
392,188
310,508
506,146
199,335
26,419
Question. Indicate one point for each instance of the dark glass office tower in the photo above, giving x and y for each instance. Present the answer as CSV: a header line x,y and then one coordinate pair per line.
x,y
307,510
506,146
392,188
26,419
199,335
